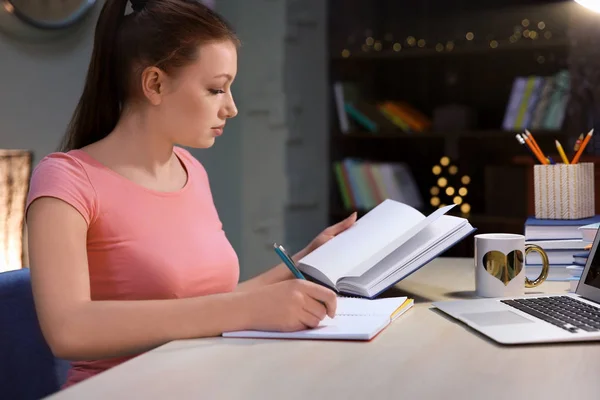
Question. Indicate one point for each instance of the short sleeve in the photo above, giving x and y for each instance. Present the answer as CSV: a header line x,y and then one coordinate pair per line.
x,y
61,176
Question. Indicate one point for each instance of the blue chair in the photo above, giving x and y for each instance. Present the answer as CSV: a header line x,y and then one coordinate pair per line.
x,y
28,369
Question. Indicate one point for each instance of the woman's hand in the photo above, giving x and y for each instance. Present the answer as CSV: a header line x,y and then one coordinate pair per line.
x,y
290,305
281,272
329,233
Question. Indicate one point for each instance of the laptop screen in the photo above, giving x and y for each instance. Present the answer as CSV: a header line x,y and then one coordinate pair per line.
x,y
593,275
589,284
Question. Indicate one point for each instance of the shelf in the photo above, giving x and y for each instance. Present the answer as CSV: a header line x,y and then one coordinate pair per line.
x,y
504,46
477,134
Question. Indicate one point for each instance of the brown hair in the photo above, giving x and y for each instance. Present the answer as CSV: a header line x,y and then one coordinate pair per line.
x,y
161,33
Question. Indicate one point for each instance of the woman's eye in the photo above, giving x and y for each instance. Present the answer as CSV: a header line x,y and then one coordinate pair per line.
x,y
216,91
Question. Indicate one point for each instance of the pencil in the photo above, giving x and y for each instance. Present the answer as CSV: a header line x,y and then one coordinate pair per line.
x,y
522,141
582,147
578,142
525,141
539,155
535,145
561,152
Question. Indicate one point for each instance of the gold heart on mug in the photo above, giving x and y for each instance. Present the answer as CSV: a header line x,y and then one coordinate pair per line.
x,y
503,267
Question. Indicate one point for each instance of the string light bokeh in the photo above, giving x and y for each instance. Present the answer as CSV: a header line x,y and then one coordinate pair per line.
x,y
451,186
521,31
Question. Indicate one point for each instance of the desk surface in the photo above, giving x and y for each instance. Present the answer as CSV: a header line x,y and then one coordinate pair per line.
x,y
423,354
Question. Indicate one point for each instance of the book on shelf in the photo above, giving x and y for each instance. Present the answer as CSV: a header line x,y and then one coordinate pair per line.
x,y
364,184
386,245
355,113
537,102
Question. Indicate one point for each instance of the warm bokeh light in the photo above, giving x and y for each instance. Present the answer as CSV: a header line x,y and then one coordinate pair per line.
x,y
450,187
465,208
15,170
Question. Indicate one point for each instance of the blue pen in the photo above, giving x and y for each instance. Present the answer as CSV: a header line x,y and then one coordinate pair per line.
x,y
287,260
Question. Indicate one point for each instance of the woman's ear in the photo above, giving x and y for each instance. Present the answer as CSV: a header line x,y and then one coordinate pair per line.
x,y
153,84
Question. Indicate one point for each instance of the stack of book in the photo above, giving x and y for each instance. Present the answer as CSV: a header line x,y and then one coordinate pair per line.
x,y
588,234
563,242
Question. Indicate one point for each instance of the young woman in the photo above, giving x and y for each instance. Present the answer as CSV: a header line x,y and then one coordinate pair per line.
x,y
126,248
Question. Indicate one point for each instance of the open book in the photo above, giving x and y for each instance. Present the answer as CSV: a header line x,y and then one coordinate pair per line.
x,y
355,319
384,246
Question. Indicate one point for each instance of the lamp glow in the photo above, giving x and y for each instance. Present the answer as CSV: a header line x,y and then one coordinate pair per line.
x,y
15,169
593,5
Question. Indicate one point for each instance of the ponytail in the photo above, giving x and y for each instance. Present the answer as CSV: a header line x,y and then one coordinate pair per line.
x,y
99,107
163,33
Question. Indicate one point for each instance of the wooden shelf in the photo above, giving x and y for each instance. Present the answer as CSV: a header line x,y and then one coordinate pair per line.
x,y
477,134
476,49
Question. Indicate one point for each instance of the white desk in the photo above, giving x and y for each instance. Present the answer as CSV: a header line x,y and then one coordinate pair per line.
x,y
422,355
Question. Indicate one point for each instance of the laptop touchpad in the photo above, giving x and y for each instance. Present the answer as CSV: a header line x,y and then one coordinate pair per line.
x,y
492,318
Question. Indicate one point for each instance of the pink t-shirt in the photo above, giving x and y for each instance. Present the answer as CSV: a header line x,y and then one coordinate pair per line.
x,y
141,243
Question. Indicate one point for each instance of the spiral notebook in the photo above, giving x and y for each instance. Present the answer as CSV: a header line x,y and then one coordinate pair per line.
x,y
355,319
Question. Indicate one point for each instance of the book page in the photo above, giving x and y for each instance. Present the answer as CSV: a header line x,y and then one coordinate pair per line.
x,y
402,241
368,236
434,239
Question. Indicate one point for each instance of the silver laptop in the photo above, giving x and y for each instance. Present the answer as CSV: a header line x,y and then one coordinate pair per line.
x,y
565,317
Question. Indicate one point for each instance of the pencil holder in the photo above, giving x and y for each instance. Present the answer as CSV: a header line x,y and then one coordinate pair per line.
x,y
564,191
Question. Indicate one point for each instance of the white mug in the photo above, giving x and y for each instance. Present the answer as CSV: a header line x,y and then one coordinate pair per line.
x,y
500,265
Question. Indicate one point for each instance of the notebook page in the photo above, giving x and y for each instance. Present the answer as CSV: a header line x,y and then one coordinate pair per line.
x,y
355,319
339,328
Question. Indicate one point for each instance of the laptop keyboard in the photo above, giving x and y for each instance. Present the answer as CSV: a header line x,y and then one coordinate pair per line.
x,y
563,311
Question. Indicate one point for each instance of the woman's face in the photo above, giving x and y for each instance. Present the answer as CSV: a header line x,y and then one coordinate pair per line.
x,y
198,100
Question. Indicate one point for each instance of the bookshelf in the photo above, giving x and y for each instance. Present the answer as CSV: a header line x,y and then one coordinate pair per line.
x,y
437,59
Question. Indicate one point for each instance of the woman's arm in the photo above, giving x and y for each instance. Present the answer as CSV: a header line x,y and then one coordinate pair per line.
x,y
281,272
77,328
